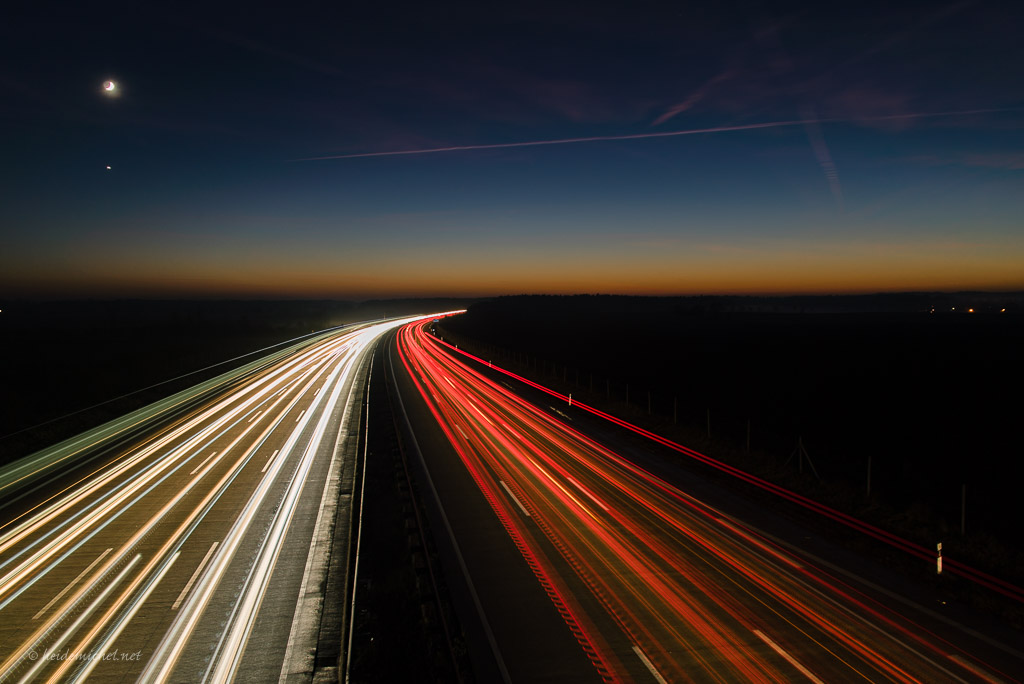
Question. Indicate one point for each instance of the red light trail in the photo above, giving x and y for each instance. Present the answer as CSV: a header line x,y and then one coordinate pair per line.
x,y
979,577
687,593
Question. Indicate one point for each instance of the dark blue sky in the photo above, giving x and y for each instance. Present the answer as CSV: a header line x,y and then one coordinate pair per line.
x,y
873,183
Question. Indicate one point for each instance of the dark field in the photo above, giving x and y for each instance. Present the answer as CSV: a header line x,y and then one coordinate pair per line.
x,y
933,398
61,358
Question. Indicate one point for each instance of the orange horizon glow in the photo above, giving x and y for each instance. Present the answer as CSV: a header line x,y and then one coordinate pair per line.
x,y
228,289
638,269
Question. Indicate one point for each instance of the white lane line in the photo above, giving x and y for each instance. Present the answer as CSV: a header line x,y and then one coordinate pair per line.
x,y
974,669
195,575
318,390
301,413
518,503
255,416
269,460
790,659
650,665
73,583
203,463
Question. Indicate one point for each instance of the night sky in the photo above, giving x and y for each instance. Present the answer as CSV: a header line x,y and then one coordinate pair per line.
x,y
897,162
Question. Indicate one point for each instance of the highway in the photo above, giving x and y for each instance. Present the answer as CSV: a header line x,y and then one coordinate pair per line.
x,y
188,541
651,583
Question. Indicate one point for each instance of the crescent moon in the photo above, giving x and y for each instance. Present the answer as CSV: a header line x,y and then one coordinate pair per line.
x,y
109,85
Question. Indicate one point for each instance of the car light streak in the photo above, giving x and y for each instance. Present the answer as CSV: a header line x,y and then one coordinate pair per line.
x,y
696,594
114,508
225,666
144,580
975,670
790,659
71,584
75,499
41,662
984,579
175,641
21,472
183,491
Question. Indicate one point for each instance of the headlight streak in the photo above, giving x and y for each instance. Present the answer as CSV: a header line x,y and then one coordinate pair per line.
x,y
41,662
689,587
71,585
74,498
33,641
23,471
111,509
227,657
52,531
71,497
118,626
233,641
171,647
176,638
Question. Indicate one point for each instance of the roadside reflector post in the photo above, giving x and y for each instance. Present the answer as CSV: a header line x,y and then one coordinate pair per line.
x,y
570,398
938,560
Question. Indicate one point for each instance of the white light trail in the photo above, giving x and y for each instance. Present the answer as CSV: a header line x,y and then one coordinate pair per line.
x,y
157,489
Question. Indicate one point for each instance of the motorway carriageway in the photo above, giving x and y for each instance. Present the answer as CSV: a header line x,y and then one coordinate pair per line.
x,y
182,552
654,584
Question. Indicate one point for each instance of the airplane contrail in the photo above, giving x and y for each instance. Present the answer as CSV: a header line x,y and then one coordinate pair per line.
x,y
821,151
659,134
